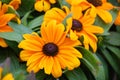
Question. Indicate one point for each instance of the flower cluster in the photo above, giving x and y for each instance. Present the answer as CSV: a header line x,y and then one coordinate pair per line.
x,y
60,39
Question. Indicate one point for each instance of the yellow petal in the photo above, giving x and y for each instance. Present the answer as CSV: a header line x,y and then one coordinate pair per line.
x,y
6,28
56,70
15,3
39,6
8,77
69,42
3,43
105,15
72,60
66,63
4,19
49,65
46,5
1,72
52,1
117,21
42,62
34,57
93,29
26,54
73,36
76,11
107,6
93,41
34,67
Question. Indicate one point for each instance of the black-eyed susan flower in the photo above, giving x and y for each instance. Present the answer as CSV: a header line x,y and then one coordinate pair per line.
x,y
8,76
102,8
117,20
80,25
99,7
53,51
43,5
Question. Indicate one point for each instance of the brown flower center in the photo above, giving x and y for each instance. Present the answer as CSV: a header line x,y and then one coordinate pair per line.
x,y
95,2
76,25
50,49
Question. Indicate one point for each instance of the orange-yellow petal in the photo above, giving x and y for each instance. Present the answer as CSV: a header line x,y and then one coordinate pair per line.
x,y
34,67
49,65
4,19
6,28
56,70
52,1
9,76
15,3
33,45
117,20
107,6
104,15
93,29
39,6
76,11
1,73
36,56
3,43
26,54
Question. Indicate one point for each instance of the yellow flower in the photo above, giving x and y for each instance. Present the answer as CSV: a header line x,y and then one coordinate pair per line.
x,y
80,25
99,7
9,76
4,19
102,8
53,51
15,4
43,5
117,21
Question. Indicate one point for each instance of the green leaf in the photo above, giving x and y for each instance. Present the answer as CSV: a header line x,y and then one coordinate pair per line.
x,y
13,45
76,74
115,50
24,18
41,75
19,75
36,22
11,10
12,36
113,61
105,65
114,38
118,28
93,63
19,28
16,35
63,3
8,52
114,2
101,23
26,6
65,19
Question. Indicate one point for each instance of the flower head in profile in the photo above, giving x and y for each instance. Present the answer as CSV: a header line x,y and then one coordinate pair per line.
x,y
8,76
53,51
117,20
4,19
15,4
43,5
80,25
